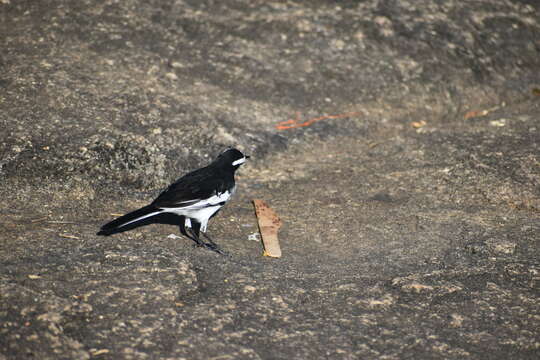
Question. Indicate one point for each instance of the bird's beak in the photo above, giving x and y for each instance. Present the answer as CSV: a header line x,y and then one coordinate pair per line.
x,y
247,156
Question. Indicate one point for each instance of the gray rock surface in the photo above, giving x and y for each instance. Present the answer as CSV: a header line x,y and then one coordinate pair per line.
x,y
410,226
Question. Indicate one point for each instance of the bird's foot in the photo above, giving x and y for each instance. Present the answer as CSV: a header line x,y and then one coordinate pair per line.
x,y
215,248
211,247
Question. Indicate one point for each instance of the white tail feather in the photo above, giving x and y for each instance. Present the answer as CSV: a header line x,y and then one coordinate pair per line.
x,y
142,217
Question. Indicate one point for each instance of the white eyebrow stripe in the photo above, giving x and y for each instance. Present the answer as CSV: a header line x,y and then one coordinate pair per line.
x,y
239,161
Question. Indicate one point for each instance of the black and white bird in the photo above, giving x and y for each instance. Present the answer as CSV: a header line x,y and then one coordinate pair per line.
x,y
192,200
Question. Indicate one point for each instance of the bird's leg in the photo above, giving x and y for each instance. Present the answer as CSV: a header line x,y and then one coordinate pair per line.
x,y
210,241
182,226
196,230
212,245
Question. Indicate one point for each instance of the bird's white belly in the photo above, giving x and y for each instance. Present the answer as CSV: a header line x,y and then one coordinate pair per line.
x,y
202,210
202,215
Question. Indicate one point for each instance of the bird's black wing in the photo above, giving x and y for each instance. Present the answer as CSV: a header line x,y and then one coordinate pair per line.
x,y
197,185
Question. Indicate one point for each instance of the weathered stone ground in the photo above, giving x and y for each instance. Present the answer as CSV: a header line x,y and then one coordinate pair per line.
x,y
410,228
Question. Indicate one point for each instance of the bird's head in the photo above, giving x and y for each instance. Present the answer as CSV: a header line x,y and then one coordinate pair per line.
x,y
231,158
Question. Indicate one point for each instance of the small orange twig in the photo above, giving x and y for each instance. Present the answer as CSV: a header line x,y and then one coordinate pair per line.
x,y
295,123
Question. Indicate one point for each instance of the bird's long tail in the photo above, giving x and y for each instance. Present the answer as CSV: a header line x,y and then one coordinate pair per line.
x,y
130,220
